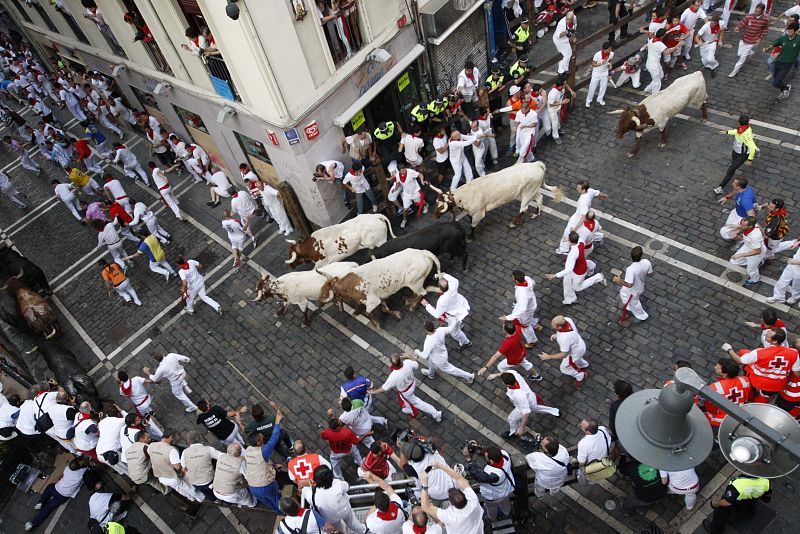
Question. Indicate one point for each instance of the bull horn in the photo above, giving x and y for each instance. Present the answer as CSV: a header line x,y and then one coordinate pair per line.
x,y
291,241
51,334
435,188
5,286
292,259
31,351
636,121
615,112
19,276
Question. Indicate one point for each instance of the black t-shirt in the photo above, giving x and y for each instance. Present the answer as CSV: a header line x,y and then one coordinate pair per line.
x,y
646,480
612,417
216,420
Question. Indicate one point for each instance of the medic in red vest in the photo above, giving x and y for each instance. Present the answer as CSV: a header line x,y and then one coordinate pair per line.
x,y
731,386
768,368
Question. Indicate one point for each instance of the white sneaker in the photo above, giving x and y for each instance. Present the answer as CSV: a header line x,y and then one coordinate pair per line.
x,y
38,506
773,300
588,104
717,190
601,102
403,224
471,378
732,74
425,207
374,209
191,410
792,300
29,526
438,417
603,280
137,302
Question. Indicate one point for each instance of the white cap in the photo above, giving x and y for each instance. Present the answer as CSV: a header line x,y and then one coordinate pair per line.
x,y
514,90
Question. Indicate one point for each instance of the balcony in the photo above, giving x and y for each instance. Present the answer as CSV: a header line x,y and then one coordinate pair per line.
x,y
221,77
342,32
158,59
111,40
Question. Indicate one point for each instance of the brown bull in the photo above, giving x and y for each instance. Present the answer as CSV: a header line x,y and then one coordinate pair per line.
x,y
36,311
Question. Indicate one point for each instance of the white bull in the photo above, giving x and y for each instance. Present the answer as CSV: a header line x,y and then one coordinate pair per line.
x,y
301,287
656,110
338,241
372,283
521,182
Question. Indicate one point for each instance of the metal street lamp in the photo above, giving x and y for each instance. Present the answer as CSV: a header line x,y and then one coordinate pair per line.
x,y
665,430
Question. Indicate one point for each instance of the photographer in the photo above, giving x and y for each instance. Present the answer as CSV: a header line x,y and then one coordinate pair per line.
x,y
497,479
416,456
550,464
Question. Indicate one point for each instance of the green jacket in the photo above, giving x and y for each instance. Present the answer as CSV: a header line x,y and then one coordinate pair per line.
x,y
790,48
746,139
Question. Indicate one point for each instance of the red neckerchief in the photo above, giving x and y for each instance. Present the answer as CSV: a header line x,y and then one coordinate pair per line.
x,y
656,39
498,464
301,512
715,28
236,194
742,129
571,25
556,86
590,225
535,93
747,232
185,265
108,179
419,530
515,385
439,136
127,390
481,118
470,76
605,54
390,514
778,324
780,212
393,368
196,41
402,175
522,284
693,9
82,417
658,20
566,328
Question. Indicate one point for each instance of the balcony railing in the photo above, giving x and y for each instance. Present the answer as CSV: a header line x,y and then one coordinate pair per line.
x,y
70,20
342,32
221,77
113,44
157,57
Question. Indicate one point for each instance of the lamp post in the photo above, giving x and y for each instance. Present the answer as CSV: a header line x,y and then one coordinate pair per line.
x,y
665,430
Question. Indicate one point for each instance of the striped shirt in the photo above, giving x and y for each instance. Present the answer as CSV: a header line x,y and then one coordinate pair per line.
x,y
753,28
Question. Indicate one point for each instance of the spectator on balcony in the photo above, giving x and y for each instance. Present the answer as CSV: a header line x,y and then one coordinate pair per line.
x,y
201,43
142,32
329,13
94,14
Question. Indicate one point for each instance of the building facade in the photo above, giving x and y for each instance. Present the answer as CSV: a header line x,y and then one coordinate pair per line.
x,y
292,77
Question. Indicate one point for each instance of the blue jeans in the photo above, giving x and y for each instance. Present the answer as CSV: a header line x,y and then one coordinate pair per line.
x,y
780,73
360,200
267,495
50,501
207,491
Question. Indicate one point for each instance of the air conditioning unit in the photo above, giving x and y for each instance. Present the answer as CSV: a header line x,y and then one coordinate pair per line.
x,y
439,16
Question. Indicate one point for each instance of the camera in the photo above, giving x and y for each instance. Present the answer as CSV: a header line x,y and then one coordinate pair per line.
x,y
475,448
417,446
535,440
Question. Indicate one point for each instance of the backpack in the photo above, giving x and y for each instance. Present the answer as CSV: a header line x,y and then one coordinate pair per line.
x,y
43,420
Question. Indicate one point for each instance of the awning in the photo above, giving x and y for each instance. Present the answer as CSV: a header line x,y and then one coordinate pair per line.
x,y
342,120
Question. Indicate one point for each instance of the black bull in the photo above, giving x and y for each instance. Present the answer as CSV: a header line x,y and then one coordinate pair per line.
x,y
69,373
12,262
443,238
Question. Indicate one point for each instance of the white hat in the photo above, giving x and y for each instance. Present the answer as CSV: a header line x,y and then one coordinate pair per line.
x,y
514,90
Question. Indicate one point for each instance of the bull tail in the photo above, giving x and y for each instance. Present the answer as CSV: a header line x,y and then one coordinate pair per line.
x,y
438,265
385,219
557,193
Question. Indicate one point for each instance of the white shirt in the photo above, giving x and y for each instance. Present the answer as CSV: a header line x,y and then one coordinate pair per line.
x,y
549,473
602,70
333,503
338,170
411,184
456,147
706,35
433,528
98,507
521,397
451,302
571,342
70,482
64,192
752,241
438,144
654,51
125,156
109,235
434,348
411,147
593,447
554,97
138,392
160,180
141,213
561,27
114,187
7,419
358,419
220,181
526,120
584,203
636,274
468,87
439,482
681,480
127,437
376,525
690,18
357,181
235,231
109,434
170,367
404,377
468,520
243,204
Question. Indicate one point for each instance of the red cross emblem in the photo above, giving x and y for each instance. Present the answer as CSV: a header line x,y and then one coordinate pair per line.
x,y
303,468
735,395
778,362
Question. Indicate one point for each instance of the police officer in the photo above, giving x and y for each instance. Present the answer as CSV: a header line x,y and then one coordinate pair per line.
x,y
739,498
387,137
420,115
438,110
519,41
493,87
520,71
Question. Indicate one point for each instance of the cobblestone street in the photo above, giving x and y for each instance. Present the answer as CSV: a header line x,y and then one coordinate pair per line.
x,y
662,200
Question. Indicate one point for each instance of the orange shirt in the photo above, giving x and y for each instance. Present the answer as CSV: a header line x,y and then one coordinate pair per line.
x,y
113,273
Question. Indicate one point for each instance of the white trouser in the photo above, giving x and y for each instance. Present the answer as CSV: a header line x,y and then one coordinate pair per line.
x,y
445,366
27,162
632,304
456,333
336,460
516,414
179,388
574,367
540,490
566,54
789,281
234,437
687,44
134,168
504,366
729,230
108,124
460,165
752,264
419,404
91,164
156,230
126,233
597,82
776,246
526,142
745,50
543,124
117,252
578,282
555,121
77,112
182,486
479,154
126,291
351,523
491,147
656,74
13,195
162,267
707,52
512,135
169,199
194,292
242,497
73,206
689,495
278,213
727,7
634,77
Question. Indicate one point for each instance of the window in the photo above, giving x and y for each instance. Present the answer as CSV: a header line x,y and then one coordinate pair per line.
x,y
96,16
253,148
62,8
22,11
42,13
143,35
190,119
340,25
145,98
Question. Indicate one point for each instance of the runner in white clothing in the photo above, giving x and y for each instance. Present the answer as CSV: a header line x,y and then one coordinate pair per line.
x,y
170,367
689,18
633,285
571,349
165,189
434,350
583,205
451,305
142,213
708,38
600,64
193,285
66,194
525,402
115,192
270,199
524,312
402,379
527,120
220,187
458,159
108,234
563,36
130,163
789,280
236,236
244,205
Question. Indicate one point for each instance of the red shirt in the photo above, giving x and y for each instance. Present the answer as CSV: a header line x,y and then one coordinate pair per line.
x,y
82,148
341,441
513,348
116,210
378,466
673,32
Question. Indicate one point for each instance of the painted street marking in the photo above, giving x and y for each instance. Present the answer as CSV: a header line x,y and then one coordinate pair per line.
x,y
78,328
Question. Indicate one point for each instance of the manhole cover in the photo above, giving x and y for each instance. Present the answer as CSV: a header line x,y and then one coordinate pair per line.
x,y
656,245
734,276
206,258
119,331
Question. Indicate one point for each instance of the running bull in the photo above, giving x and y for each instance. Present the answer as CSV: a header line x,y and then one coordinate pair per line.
x,y
372,283
12,262
656,110
301,287
36,311
69,373
521,182
336,242
446,238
